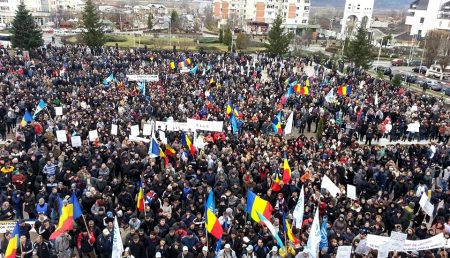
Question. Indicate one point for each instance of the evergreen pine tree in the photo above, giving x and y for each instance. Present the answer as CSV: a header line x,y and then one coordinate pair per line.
x,y
221,36
227,37
359,50
278,40
25,34
93,36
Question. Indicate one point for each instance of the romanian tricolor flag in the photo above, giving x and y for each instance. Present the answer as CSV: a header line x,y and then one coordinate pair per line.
x,y
276,124
185,141
69,213
13,242
140,198
27,118
286,171
276,187
304,90
212,223
255,205
229,108
172,65
65,221
163,156
237,113
344,90
187,62
291,235
170,151
297,88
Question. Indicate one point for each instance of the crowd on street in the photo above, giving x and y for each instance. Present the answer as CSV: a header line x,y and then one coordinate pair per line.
x,y
334,134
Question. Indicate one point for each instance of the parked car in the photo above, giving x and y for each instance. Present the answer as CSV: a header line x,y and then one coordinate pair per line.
x,y
447,91
435,85
386,70
414,62
398,62
420,69
48,30
436,72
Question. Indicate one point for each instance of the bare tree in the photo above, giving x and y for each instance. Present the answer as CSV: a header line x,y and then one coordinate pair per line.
x,y
444,57
433,43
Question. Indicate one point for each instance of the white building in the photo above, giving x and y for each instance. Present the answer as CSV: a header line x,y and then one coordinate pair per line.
x,y
39,10
243,12
356,13
426,15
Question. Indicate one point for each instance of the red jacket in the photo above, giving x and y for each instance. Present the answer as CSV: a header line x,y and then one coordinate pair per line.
x,y
91,239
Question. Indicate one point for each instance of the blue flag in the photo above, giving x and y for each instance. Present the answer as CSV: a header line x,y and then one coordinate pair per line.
x,y
234,124
108,80
323,234
154,148
41,105
218,247
60,205
142,88
77,212
194,70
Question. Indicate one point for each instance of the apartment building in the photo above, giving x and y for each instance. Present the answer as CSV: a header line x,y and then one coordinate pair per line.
x,y
245,12
356,13
426,15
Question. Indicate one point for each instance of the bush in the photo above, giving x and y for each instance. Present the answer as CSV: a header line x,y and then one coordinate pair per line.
x,y
115,38
397,80
333,50
208,40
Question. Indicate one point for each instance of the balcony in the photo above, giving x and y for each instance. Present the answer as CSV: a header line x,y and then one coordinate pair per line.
x,y
444,15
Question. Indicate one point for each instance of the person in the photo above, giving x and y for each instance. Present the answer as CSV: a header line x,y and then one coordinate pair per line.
x,y
137,249
273,253
4,242
104,244
185,253
41,248
127,253
249,252
63,245
204,253
25,248
227,252
85,243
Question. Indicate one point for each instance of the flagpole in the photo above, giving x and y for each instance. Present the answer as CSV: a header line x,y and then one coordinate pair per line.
x,y
85,224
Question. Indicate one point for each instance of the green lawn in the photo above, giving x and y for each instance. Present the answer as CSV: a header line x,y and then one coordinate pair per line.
x,y
164,43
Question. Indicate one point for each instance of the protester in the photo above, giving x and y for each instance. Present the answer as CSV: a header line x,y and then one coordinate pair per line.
x,y
390,142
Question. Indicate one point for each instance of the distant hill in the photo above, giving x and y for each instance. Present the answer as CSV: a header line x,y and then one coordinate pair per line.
x,y
379,4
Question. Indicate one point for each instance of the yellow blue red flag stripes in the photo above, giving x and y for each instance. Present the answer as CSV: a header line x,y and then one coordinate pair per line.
x,y
276,187
256,204
140,198
276,124
229,108
212,223
169,150
27,118
13,242
185,141
286,171
65,221
344,90
289,233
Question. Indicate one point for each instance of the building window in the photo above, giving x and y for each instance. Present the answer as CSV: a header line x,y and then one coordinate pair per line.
x,y
3,1
306,8
4,8
304,21
358,6
422,20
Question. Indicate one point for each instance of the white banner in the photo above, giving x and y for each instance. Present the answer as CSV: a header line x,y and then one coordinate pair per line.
x,y
143,77
8,225
299,210
213,126
76,141
344,251
438,241
171,126
61,135
117,241
330,186
290,121
414,127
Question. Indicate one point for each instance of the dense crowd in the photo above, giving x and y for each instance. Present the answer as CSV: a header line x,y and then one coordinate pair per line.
x,y
334,138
